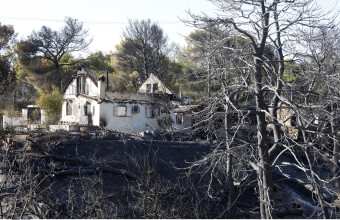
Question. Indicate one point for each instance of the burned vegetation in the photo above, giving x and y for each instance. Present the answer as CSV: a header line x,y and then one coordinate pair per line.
x,y
69,175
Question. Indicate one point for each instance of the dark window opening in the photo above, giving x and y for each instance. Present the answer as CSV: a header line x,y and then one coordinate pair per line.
x,y
81,84
87,108
148,88
293,121
68,107
135,109
155,87
179,119
33,114
152,112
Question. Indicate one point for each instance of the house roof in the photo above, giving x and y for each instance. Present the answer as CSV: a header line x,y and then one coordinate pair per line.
x,y
134,97
154,75
184,108
81,71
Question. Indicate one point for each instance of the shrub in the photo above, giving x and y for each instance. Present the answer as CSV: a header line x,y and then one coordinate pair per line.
x,y
51,103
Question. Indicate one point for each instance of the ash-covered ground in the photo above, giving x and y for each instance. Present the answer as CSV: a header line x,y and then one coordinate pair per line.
x,y
71,176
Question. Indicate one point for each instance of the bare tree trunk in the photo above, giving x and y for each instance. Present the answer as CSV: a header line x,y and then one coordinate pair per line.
x,y
261,193
275,100
263,151
145,60
230,180
335,168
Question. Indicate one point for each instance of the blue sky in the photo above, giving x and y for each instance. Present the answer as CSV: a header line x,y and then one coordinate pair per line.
x,y
106,19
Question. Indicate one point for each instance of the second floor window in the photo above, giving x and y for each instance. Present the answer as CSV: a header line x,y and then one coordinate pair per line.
x,y
68,107
148,88
155,87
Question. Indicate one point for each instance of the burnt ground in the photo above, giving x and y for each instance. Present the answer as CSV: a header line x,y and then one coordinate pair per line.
x,y
162,189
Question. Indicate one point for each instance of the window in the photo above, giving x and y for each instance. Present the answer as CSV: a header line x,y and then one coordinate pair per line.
x,y
78,85
87,88
155,87
68,107
152,112
87,108
148,88
119,111
33,114
135,109
81,84
293,120
93,110
179,118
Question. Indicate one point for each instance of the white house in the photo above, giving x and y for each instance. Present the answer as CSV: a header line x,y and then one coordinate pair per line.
x,y
87,102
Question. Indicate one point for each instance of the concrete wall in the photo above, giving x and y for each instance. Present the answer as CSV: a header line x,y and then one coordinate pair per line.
x,y
14,121
64,127
21,119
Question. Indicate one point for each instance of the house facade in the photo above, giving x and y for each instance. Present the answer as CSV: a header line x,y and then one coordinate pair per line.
x,y
86,101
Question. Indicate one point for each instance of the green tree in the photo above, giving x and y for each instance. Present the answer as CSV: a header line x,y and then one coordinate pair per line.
x,y
41,56
51,103
99,62
7,73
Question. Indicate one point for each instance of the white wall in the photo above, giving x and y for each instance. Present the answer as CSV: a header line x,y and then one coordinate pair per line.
x,y
78,103
78,114
15,121
133,122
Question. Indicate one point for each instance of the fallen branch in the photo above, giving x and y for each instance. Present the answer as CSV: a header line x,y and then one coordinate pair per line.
x,y
94,167
88,170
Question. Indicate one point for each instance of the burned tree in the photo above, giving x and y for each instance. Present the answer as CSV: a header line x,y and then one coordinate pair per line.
x,y
143,49
257,86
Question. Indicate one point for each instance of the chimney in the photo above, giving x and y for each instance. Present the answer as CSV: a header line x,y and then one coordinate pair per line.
x,y
101,87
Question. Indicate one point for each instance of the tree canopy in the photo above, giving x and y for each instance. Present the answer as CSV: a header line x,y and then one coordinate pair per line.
x,y
40,56
7,73
143,49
